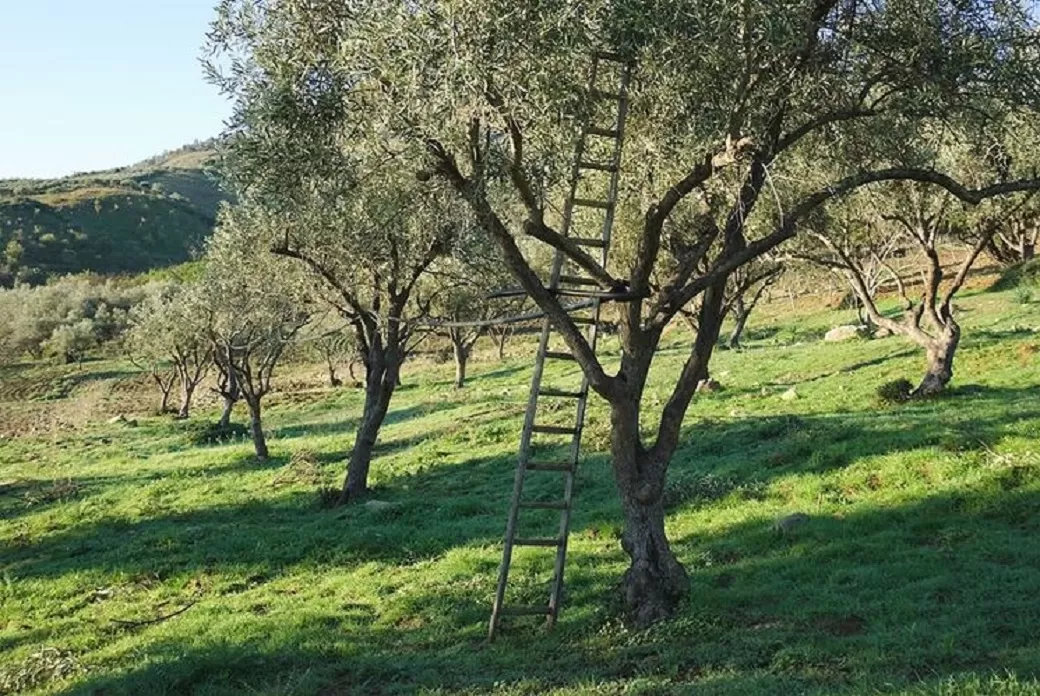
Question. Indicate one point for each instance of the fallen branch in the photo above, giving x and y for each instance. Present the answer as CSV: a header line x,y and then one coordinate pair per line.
x,y
158,619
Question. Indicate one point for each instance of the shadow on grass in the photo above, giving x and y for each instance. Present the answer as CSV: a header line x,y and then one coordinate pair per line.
x,y
940,591
968,417
869,598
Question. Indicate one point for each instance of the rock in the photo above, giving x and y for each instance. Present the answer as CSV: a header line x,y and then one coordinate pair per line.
x,y
117,419
843,333
378,505
789,395
708,385
882,333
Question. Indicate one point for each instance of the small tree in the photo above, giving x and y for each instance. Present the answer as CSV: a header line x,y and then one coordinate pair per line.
x,y
749,287
922,218
464,303
253,309
165,329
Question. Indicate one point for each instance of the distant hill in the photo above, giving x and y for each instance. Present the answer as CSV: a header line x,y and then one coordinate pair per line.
x,y
149,215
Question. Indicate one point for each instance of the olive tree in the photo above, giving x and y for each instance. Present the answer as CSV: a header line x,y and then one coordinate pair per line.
x,y
253,309
731,98
918,217
165,331
466,300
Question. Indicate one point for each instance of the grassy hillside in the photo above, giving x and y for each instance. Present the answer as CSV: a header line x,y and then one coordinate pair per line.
x,y
136,562
130,219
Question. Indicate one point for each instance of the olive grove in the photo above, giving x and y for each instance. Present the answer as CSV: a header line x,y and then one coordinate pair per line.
x,y
746,118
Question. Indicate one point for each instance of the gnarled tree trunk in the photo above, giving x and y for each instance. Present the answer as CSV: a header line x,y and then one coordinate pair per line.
x,y
940,352
256,428
164,402
655,581
381,379
187,391
740,316
227,387
225,414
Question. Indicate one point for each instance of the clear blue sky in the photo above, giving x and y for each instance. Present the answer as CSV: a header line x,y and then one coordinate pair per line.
x,y
88,85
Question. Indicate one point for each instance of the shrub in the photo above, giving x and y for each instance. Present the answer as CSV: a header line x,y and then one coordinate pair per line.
x,y
1023,295
202,434
697,487
895,392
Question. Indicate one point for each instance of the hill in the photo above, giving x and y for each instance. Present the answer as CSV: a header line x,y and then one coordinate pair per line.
x,y
138,562
130,219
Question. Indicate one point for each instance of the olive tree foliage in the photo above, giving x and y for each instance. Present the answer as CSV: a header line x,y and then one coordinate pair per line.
x,y
66,318
731,99
364,248
253,306
167,339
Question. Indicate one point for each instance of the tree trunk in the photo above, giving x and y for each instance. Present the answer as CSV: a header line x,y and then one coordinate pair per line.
x,y
940,352
655,581
461,353
257,428
164,403
740,315
187,391
334,381
503,336
225,415
381,380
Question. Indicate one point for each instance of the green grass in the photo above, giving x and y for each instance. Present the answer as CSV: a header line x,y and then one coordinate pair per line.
x,y
917,572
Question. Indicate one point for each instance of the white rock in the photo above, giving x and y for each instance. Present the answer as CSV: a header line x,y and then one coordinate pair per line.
x,y
789,395
843,333
882,333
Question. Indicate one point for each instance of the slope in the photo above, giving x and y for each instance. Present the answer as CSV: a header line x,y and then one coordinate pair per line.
x,y
129,219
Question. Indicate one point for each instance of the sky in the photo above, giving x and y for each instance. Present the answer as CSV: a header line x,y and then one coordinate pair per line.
x,y
88,85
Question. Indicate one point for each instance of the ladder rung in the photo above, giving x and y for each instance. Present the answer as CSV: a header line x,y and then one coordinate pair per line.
x,y
577,280
601,166
561,393
558,355
537,542
611,56
589,203
524,611
553,429
588,241
550,466
604,94
545,505
603,132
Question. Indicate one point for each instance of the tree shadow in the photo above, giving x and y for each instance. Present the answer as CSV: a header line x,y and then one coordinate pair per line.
x,y
761,448
823,608
926,593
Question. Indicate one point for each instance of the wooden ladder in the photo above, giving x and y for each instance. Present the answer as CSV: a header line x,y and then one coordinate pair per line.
x,y
597,156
